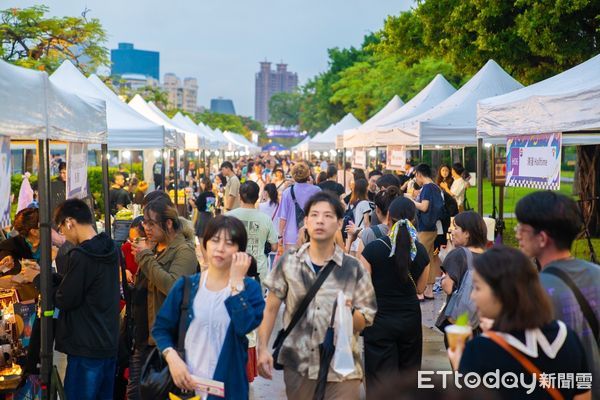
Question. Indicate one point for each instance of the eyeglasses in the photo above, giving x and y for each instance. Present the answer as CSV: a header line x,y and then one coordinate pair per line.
x,y
149,223
519,228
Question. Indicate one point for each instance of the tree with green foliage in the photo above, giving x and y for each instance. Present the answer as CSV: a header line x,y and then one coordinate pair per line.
x,y
284,109
229,122
31,39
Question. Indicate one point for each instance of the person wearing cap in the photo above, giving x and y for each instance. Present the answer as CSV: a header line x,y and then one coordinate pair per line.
x,y
292,202
399,265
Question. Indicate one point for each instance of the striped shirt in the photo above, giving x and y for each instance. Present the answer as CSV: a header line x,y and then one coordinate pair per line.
x,y
291,279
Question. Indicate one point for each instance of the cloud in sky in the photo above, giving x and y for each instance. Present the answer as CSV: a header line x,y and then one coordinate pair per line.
x,y
221,42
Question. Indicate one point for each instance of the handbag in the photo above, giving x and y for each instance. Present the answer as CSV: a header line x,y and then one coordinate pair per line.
x,y
283,333
155,378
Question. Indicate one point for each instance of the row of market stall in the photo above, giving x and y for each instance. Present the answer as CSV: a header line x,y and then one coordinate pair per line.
x,y
68,109
492,108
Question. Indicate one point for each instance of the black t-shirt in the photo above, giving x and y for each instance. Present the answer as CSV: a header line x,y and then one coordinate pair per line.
x,y
482,355
206,202
333,187
390,291
118,196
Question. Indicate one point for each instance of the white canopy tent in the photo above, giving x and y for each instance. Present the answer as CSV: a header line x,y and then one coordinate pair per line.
x,y
176,139
297,147
34,108
186,123
239,140
217,141
127,129
391,107
433,94
326,140
567,102
186,140
453,121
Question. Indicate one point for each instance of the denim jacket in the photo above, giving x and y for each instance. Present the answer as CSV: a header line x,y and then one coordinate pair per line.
x,y
246,312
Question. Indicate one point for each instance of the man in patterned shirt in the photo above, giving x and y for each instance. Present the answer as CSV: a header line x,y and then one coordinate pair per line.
x,y
289,282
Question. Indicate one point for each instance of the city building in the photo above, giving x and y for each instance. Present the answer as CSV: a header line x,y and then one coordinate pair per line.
x,y
136,81
267,83
127,60
222,106
183,97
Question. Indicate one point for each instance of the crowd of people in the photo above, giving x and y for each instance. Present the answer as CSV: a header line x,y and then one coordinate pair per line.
x,y
203,289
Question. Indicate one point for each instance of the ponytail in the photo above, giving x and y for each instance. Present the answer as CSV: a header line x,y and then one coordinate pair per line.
x,y
402,256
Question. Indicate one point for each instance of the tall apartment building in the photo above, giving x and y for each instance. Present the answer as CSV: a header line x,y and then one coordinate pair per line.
x,y
184,97
267,83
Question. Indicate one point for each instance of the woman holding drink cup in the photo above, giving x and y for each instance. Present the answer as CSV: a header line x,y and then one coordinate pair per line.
x,y
524,337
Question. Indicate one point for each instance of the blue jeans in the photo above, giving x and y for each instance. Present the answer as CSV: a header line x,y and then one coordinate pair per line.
x,y
90,378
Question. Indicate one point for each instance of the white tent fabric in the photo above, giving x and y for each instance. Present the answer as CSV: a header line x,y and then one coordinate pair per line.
x,y
34,108
186,123
391,107
173,139
433,94
569,101
126,128
241,141
326,140
297,147
453,121
183,138
215,142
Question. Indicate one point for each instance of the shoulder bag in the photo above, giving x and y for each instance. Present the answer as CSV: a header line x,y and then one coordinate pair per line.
x,y
155,378
530,367
299,313
297,210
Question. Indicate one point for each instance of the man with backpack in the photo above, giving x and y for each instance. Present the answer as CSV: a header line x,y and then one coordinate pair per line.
x,y
429,202
293,199
549,222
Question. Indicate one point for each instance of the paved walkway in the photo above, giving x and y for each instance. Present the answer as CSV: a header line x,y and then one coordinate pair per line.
x,y
434,353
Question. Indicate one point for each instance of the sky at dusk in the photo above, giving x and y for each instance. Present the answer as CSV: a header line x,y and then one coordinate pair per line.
x,y
221,42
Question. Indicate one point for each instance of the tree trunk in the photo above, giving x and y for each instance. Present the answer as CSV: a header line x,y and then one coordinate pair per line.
x,y
588,179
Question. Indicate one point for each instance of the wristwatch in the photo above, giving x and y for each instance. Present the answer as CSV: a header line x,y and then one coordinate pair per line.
x,y
237,288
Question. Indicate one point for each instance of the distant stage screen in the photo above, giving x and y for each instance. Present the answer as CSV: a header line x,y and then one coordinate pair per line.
x,y
284,132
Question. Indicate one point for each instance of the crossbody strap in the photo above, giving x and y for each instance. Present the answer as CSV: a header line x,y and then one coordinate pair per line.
x,y
310,295
586,309
183,310
524,361
294,196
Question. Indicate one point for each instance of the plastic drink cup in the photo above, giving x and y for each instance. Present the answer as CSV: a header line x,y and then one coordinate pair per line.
x,y
457,334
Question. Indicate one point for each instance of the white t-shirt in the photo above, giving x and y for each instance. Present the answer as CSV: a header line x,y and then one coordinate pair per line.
x,y
361,213
459,189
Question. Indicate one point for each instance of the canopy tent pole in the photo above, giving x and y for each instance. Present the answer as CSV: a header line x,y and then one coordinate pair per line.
x,y
164,169
480,176
176,177
421,153
463,156
105,189
344,167
47,309
376,157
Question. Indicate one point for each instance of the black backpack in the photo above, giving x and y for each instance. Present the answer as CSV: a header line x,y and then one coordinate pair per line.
x,y
348,216
297,210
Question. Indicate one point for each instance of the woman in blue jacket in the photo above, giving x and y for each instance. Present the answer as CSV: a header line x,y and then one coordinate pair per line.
x,y
224,306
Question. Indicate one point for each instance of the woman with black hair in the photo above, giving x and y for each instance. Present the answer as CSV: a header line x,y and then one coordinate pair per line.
x,y
225,305
469,236
399,269
523,338
360,207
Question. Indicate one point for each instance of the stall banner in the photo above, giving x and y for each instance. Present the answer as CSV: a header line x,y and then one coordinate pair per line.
x,y
77,162
359,158
5,183
396,157
533,161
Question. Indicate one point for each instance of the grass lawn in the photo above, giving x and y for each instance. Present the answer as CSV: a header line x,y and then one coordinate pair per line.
x,y
511,196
